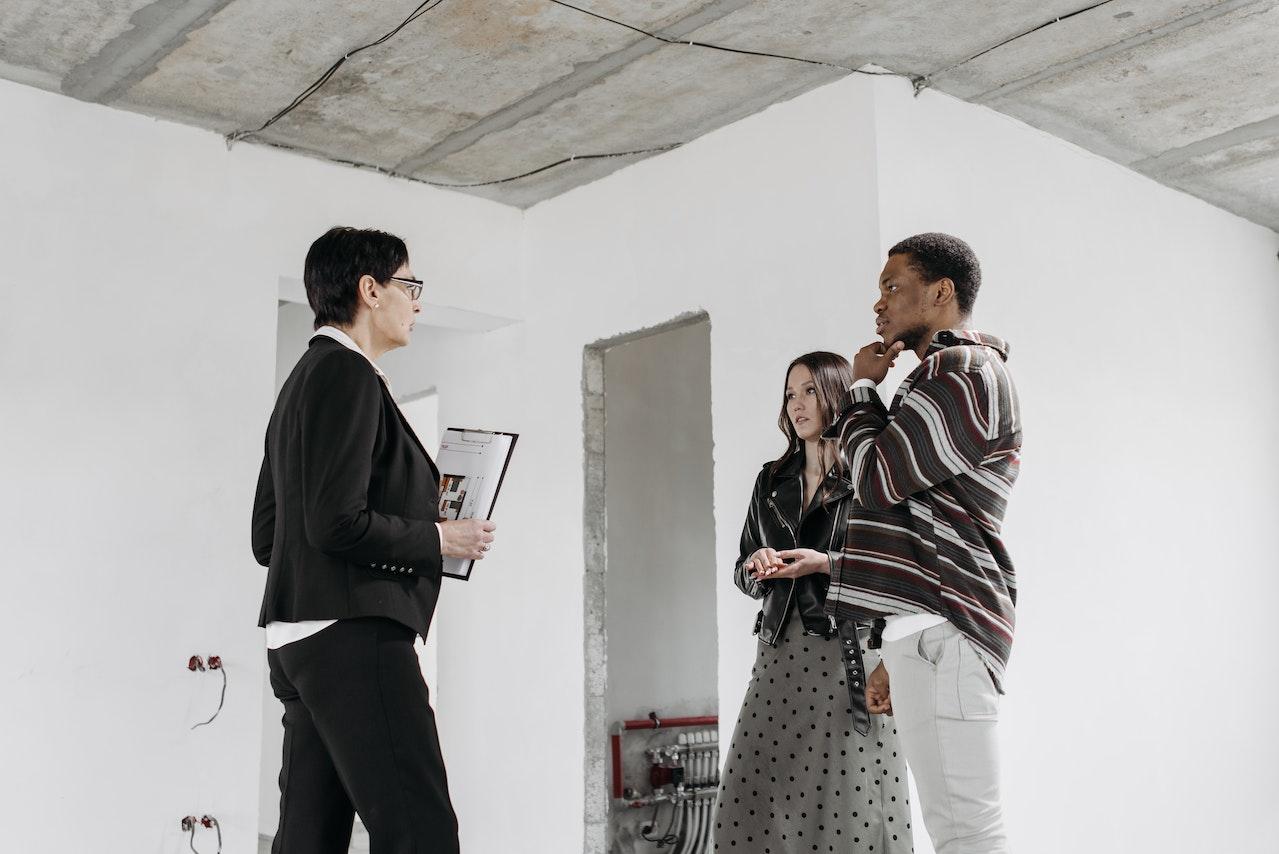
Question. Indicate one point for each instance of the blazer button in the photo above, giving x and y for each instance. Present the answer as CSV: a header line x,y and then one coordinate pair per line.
x,y
384,566
410,570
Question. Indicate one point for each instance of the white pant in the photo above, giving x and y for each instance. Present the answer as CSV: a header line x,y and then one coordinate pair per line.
x,y
947,709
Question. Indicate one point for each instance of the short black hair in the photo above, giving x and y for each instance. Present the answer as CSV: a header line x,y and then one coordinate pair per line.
x,y
336,261
939,256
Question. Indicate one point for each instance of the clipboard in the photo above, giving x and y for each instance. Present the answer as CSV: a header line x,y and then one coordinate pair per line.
x,y
472,466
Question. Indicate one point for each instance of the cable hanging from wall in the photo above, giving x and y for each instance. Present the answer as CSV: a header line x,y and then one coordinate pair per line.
x,y
190,824
196,663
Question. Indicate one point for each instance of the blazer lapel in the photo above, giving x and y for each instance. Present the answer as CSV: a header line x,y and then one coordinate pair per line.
x,y
408,428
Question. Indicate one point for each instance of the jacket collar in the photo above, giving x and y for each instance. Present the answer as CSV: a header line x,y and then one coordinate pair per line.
x,y
837,485
335,334
792,467
957,337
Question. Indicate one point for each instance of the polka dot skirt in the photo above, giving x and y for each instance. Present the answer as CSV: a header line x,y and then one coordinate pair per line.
x,y
798,778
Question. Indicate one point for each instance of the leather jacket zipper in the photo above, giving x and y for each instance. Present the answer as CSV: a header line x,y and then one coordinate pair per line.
x,y
780,518
830,547
790,594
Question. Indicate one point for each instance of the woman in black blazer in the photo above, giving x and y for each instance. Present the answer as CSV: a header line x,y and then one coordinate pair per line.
x,y
346,519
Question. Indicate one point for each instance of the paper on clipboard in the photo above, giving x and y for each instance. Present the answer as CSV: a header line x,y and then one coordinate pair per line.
x,y
472,465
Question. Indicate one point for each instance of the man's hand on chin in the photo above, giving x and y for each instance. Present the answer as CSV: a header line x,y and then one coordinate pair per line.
x,y
873,361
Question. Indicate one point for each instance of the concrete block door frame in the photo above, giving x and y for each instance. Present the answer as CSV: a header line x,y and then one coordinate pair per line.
x,y
595,545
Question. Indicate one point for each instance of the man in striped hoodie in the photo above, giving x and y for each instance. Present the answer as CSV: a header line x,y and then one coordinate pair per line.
x,y
924,557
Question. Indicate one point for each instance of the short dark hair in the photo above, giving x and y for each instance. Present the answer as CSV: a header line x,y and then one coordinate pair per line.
x,y
336,261
939,256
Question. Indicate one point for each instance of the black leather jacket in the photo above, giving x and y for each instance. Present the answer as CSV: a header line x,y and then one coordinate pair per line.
x,y
774,520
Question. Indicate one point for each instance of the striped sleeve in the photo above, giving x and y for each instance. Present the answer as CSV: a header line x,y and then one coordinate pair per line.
x,y
940,430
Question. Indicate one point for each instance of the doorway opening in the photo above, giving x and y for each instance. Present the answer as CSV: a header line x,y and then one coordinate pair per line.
x,y
650,609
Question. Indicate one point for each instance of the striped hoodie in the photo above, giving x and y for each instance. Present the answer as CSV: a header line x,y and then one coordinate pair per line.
x,y
932,476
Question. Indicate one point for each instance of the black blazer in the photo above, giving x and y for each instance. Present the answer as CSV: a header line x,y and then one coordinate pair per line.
x,y
346,500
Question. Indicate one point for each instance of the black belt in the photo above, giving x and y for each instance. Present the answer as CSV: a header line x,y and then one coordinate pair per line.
x,y
854,675
876,634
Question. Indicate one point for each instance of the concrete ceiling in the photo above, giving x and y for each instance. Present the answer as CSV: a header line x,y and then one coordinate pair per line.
x,y
472,91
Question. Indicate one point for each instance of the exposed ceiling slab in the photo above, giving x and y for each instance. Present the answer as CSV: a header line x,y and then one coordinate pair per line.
x,y
133,54
910,38
665,97
1148,98
475,92
1026,55
536,100
1235,170
53,38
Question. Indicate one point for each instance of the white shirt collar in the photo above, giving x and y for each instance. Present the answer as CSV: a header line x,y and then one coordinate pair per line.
x,y
347,341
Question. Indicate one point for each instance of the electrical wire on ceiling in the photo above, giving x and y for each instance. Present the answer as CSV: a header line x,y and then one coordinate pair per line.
x,y
421,10
919,82
726,49
429,5
655,150
923,81
393,174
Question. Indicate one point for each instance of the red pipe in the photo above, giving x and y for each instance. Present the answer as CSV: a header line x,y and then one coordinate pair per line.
x,y
651,722
662,723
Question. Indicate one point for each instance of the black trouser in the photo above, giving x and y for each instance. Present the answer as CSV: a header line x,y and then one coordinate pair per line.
x,y
359,735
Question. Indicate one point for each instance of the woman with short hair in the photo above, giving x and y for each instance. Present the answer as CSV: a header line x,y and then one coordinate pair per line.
x,y
347,520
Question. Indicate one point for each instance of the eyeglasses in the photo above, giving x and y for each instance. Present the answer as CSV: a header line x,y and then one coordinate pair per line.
x,y
413,287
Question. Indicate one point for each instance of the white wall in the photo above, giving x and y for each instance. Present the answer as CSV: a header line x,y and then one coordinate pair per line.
x,y
136,362
140,269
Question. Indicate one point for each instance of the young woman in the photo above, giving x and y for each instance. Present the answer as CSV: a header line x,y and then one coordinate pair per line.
x,y
807,770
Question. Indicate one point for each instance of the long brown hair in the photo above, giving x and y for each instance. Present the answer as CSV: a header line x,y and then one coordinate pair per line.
x,y
832,375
